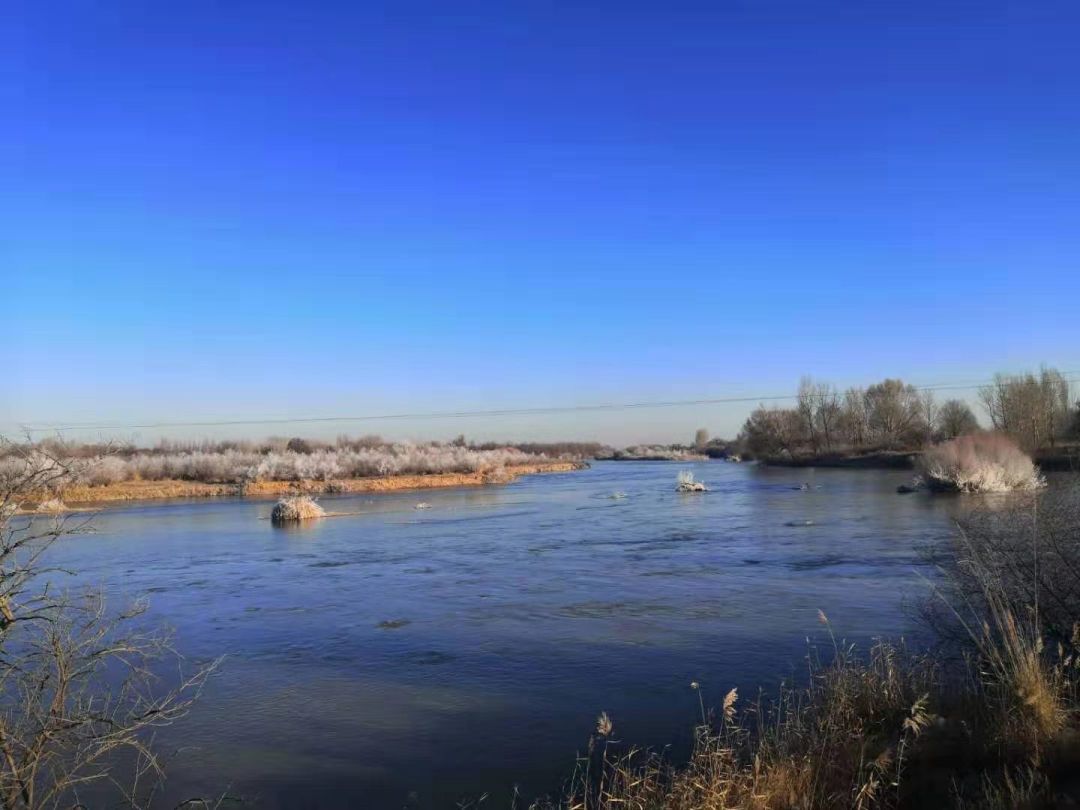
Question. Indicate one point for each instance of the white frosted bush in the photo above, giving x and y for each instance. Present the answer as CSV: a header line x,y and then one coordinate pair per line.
x,y
235,466
660,453
686,483
30,465
107,470
981,462
10,469
149,468
296,509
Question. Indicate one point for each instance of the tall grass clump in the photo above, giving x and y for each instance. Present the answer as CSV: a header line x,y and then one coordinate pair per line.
x,y
980,462
885,730
1018,624
295,509
843,741
1028,685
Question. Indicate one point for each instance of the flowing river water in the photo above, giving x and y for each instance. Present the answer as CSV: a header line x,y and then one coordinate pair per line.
x,y
402,657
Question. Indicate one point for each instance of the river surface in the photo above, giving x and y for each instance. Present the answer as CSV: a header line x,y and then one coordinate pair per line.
x,y
402,657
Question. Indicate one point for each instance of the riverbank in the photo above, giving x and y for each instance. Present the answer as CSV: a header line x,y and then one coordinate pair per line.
x,y
882,460
167,489
1063,459
687,457
1060,459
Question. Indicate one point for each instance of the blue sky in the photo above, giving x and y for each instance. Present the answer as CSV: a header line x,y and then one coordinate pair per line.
x,y
263,209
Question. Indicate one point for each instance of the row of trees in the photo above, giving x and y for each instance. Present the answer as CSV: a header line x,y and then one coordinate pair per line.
x,y
169,448
1036,410
887,415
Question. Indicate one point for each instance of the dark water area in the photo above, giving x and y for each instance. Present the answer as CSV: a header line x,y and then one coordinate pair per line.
x,y
402,657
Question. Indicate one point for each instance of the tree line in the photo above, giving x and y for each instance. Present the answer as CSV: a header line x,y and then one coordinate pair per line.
x,y
1035,409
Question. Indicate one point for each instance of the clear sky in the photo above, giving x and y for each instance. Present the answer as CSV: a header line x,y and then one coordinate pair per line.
x,y
269,209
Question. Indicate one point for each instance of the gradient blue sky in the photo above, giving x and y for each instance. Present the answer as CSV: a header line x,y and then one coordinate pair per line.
x,y
266,209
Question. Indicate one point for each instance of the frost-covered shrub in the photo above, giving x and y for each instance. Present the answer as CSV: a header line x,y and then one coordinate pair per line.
x,y
16,468
150,468
107,470
295,509
980,462
685,482
236,466
645,452
11,468
321,465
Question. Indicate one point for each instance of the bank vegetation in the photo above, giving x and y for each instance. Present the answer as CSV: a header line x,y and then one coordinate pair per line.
x,y
893,419
278,466
84,685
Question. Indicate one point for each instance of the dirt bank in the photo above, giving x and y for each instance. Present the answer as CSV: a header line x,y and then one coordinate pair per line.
x,y
147,490
1059,459
883,460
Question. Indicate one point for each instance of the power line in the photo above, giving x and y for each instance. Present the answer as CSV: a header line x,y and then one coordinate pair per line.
x,y
466,414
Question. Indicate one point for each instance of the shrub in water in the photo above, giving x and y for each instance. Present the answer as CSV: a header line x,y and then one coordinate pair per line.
x,y
981,462
296,508
686,483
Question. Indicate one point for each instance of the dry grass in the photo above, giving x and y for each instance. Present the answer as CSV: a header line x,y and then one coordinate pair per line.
x,y
295,509
889,732
981,462
843,741
1028,688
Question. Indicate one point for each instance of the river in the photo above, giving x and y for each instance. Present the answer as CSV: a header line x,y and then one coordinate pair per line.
x,y
415,657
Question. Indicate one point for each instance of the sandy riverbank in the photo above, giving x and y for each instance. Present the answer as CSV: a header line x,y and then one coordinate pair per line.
x,y
154,490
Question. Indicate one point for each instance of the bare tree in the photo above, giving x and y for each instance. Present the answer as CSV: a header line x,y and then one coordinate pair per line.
x,y
772,431
854,419
701,438
807,410
893,411
888,414
1055,403
81,688
826,402
1033,410
929,414
955,419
